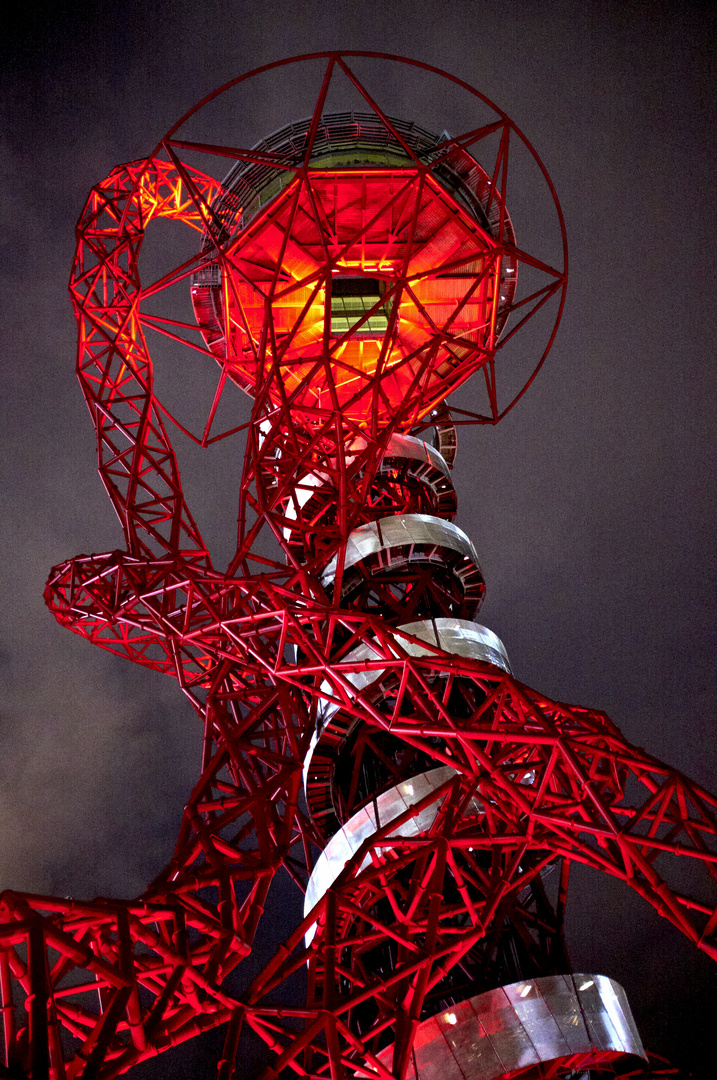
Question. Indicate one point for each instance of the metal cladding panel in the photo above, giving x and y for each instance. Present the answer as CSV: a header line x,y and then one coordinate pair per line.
x,y
532,1010
327,867
599,1019
342,848
417,787
602,1032
468,1042
432,1058
529,1023
401,530
389,806
327,709
615,1008
363,825
462,637
619,1009
503,1029
563,1003
429,1056
409,447
318,884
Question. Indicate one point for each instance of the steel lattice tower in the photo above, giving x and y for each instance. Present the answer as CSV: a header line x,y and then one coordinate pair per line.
x,y
362,732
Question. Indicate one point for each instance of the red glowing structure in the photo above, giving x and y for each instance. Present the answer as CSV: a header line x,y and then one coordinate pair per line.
x,y
362,734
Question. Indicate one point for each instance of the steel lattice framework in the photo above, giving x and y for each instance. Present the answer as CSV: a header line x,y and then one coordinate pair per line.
x,y
349,275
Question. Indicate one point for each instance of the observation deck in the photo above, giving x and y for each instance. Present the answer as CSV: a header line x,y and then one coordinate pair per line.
x,y
386,259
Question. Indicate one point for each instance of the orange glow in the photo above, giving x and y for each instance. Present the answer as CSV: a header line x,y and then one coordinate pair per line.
x,y
437,269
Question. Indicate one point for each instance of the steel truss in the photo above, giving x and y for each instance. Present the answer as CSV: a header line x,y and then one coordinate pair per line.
x,y
464,888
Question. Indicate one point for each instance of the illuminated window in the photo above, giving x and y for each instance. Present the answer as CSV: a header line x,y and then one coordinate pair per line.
x,y
351,298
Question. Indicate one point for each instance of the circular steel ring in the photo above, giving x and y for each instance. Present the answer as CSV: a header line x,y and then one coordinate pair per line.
x,y
405,543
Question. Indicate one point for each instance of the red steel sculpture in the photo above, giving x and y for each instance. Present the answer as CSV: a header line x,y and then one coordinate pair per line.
x,y
362,733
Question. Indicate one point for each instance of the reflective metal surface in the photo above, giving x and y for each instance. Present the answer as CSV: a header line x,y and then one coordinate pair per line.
x,y
426,464
408,446
578,1020
385,809
403,531
458,636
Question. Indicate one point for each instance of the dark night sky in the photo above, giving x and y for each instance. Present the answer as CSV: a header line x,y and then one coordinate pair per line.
x,y
591,504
